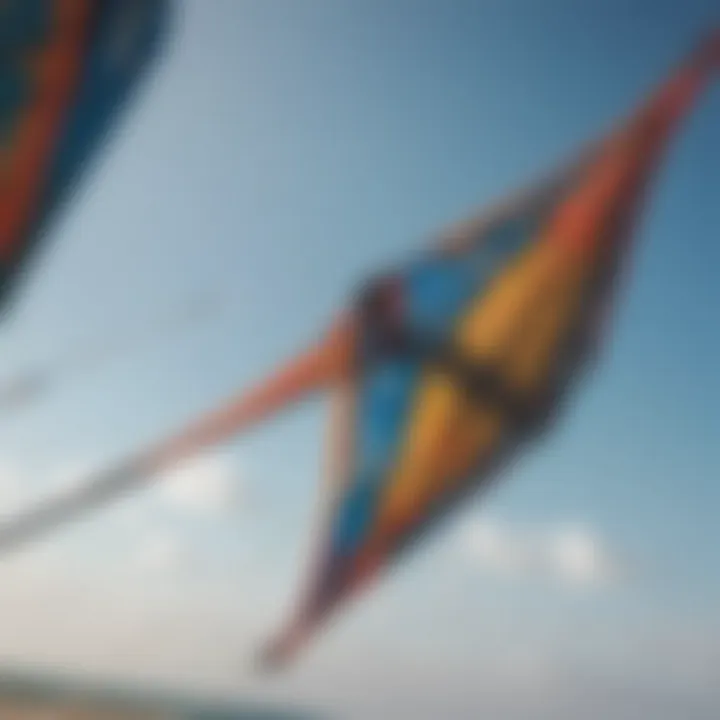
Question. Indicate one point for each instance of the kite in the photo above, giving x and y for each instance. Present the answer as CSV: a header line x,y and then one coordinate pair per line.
x,y
446,367
66,68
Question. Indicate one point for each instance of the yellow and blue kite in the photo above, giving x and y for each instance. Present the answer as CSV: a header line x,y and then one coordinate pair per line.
x,y
443,369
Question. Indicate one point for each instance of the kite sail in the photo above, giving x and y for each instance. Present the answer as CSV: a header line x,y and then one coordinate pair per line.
x,y
446,367
66,67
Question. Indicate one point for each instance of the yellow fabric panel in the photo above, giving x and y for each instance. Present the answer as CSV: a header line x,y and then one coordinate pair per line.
x,y
519,321
447,436
491,324
517,324
474,438
437,407
531,359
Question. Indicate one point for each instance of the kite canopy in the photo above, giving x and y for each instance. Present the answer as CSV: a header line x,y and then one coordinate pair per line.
x,y
461,357
67,66
443,368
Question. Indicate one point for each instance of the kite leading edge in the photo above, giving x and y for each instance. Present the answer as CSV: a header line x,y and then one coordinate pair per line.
x,y
443,368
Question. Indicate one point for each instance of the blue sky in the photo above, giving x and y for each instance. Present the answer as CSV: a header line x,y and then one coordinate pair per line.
x,y
281,152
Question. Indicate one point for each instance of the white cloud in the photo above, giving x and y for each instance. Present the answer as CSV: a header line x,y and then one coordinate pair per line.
x,y
205,485
579,555
570,553
188,640
163,553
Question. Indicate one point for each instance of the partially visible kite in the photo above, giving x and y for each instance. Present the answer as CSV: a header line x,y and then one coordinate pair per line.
x,y
444,368
66,66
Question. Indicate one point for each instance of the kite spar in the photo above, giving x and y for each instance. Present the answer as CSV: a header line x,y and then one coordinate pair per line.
x,y
445,366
